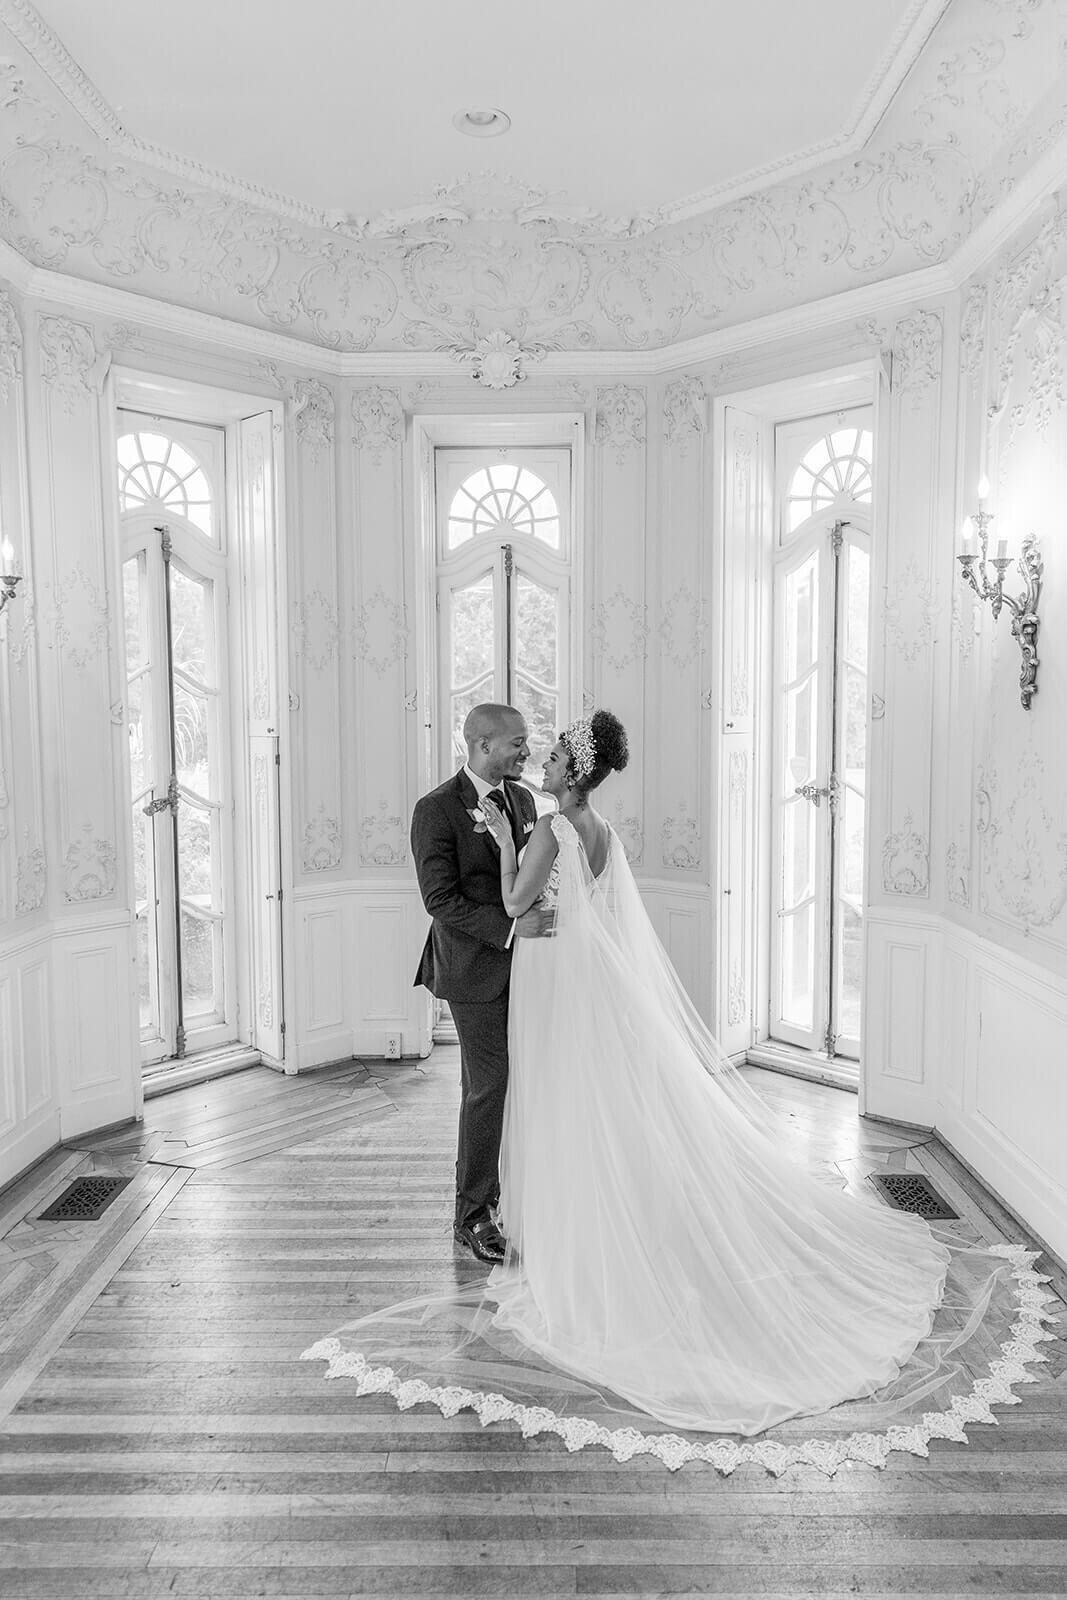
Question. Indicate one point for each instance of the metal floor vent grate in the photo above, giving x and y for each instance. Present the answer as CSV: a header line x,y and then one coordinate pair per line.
x,y
84,1200
911,1191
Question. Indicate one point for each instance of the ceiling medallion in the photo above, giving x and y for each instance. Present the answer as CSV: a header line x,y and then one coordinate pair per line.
x,y
483,123
496,359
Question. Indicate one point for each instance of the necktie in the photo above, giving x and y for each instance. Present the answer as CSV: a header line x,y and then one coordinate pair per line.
x,y
497,797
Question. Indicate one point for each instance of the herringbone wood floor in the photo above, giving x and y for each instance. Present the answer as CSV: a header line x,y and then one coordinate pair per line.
x,y
163,1439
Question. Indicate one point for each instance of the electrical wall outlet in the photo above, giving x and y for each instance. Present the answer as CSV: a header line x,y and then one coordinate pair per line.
x,y
392,1047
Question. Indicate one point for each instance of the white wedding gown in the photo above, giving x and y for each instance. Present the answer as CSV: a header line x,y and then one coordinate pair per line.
x,y
669,1260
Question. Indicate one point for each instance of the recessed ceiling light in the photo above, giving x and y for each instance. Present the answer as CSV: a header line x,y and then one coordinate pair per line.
x,y
482,123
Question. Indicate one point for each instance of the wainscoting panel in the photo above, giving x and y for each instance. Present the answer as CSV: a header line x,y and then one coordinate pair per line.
x,y
29,1110
896,1052
681,917
97,1066
356,952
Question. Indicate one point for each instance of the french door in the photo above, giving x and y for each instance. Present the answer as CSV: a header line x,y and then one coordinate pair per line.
x,y
175,600
503,592
818,800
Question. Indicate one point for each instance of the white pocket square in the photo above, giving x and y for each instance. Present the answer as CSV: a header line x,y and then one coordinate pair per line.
x,y
528,827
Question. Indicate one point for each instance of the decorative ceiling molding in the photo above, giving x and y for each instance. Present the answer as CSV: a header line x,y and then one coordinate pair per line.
x,y
448,203
871,233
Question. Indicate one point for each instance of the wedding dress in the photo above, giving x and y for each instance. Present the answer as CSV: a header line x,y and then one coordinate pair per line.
x,y
669,1259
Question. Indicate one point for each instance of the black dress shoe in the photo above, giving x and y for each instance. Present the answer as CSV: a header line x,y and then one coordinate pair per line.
x,y
482,1238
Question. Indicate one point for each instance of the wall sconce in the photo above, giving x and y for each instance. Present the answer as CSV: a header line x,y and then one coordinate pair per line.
x,y
1024,608
9,581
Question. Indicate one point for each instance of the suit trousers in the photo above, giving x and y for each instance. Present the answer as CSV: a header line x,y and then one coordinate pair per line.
x,y
483,1046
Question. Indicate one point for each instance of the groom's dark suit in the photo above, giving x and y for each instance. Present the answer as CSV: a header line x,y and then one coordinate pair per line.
x,y
467,961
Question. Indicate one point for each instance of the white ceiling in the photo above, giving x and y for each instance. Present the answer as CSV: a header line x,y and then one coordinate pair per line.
x,y
622,106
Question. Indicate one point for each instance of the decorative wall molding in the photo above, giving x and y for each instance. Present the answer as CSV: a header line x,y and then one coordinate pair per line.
x,y
966,622
620,419
917,349
80,625
736,1001
1023,842
378,420
90,867
685,411
906,860
911,612
323,843
958,872
619,630
381,632
10,345
71,365
682,627
316,630
311,410
31,874
630,833
681,840
383,838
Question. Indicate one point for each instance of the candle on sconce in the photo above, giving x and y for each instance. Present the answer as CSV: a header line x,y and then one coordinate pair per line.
x,y
7,557
967,532
983,492
1002,549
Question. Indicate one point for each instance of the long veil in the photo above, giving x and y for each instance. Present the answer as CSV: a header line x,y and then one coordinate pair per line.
x,y
674,1261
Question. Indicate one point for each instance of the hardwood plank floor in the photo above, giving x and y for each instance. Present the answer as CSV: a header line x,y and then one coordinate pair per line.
x,y
163,1439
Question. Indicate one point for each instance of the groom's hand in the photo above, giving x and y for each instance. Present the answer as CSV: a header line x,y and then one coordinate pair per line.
x,y
535,924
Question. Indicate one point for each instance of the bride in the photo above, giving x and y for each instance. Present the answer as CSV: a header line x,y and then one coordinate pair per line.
x,y
667,1258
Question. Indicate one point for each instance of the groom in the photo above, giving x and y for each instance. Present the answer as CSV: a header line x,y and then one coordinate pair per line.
x,y
467,958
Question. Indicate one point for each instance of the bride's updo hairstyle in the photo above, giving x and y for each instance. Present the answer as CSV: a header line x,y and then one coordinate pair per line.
x,y
610,751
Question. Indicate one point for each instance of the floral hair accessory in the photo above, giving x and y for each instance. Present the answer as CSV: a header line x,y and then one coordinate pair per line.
x,y
579,741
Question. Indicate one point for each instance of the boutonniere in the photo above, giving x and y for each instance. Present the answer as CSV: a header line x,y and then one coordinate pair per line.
x,y
479,818
528,827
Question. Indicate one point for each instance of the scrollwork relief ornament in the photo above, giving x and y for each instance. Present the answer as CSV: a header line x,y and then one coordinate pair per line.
x,y
323,844
917,344
316,630
910,612
619,631
383,841
973,331
958,872
906,860
630,833
30,876
378,420
966,623
1023,844
685,411
90,867
71,365
381,633
736,1004
620,420
497,361
10,346
681,840
311,407
79,619
682,629
738,778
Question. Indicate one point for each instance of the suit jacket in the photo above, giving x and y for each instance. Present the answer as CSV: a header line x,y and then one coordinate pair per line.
x,y
466,955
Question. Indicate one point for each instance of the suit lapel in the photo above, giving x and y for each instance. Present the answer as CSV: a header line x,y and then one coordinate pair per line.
x,y
468,799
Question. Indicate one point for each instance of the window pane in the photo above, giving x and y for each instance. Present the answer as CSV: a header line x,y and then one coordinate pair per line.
x,y
190,625
503,500
536,631
192,740
144,899
464,703
201,966
850,941
472,632
802,618
541,710
856,624
131,599
798,968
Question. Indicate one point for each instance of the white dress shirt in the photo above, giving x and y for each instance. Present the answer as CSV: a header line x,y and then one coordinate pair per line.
x,y
482,787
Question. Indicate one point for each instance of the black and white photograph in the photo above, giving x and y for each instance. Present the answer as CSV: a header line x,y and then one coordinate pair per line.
x,y
533,800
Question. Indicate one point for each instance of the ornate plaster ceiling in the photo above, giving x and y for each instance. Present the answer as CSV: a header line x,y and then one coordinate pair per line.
x,y
618,107
503,254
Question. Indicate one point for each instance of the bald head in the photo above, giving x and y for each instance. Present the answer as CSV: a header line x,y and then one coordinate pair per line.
x,y
496,742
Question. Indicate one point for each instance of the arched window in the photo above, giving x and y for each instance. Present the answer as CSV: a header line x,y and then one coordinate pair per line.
x,y
835,471
158,472
501,500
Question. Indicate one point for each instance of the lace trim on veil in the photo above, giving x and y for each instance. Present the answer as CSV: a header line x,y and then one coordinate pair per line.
x,y
1027,1332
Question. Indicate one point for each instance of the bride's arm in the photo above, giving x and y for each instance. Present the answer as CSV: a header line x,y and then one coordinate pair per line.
x,y
520,886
